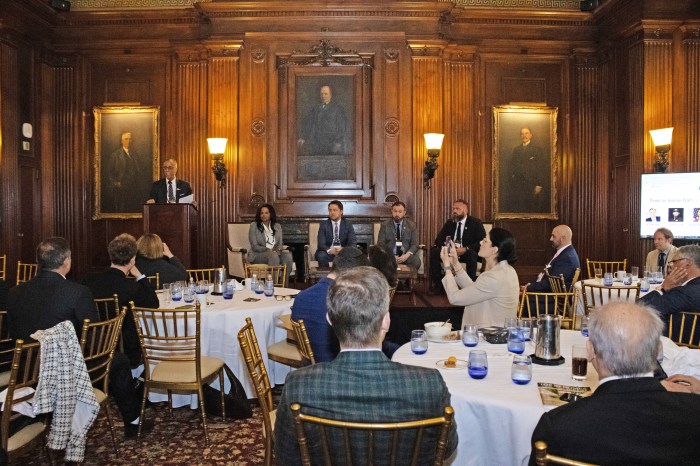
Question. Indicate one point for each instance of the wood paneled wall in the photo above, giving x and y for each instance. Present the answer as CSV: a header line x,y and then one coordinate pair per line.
x,y
436,67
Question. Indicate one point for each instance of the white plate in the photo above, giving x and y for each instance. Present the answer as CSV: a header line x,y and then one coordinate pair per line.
x,y
460,365
452,337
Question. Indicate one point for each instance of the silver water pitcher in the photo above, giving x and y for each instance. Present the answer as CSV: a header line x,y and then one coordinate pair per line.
x,y
547,346
219,280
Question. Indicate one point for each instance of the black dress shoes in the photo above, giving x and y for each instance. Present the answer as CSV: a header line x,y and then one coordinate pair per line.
x,y
132,430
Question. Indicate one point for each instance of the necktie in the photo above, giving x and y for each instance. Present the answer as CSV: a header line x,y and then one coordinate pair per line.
x,y
336,238
458,235
171,195
662,260
399,250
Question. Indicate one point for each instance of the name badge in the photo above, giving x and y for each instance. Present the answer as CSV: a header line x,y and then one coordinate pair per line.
x,y
399,244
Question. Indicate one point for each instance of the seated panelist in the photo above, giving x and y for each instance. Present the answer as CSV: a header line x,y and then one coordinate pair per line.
x,y
334,234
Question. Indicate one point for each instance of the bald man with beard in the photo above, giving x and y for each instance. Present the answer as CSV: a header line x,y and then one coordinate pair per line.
x,y
565,261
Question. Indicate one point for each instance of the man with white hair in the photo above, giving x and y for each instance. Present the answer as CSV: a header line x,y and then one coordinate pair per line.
x,y
630,418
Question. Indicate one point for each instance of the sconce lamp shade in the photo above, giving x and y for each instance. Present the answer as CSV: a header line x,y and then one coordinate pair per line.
x,y
661,137
217,145
662,143
433,141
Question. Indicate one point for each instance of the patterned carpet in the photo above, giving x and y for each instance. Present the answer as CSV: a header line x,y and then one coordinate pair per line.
x,y
174,441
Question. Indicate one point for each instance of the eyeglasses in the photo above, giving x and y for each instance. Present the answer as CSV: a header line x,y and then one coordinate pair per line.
x,y
283,297
677,260
168,167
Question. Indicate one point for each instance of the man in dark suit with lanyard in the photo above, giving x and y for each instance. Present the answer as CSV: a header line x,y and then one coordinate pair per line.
x,y
169,190
467,232
334,234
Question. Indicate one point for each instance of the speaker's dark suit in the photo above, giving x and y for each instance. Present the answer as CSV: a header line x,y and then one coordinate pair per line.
x,y
141,292
565,264
626,421
472,235
361,386
159,190
346,234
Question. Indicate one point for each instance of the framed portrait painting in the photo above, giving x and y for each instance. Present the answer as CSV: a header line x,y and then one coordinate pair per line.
x,y
524,164
126,159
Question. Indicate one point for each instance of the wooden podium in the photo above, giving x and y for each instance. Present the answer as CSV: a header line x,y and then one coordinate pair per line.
x,y
177,225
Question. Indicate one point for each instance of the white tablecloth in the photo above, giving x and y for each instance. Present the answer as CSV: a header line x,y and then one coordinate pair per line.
x,y
220,323
495,418
579,290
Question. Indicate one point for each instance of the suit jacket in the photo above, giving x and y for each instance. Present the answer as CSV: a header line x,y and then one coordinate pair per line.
x,y
653,259
489,299
625,421
565,263
169,269
4,291
679,299
47,300
258,242
159,190
346,234
361,386
141,292
310,305
409,236
472,234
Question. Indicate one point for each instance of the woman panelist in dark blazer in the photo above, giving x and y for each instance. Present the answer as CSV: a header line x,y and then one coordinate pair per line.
x,y
154,256
265,237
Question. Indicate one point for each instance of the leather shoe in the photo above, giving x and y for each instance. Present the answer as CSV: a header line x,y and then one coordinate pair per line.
x,y
132,430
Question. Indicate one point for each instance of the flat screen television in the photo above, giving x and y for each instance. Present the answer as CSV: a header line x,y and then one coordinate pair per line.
x,y
670,200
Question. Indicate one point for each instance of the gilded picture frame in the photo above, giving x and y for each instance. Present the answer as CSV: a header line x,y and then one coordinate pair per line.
x,y
127,159
524,164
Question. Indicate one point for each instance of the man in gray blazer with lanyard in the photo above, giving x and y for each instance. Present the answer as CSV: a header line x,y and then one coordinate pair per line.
x,y
400,236
361,384
334,233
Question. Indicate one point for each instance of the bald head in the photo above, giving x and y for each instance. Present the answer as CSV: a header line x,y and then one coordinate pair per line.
x,y
624,339
561,236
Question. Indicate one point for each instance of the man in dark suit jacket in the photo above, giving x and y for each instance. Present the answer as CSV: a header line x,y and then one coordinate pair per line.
x,y
467,232
160,191
565,261
680,291
403,244
122,254
361,384
630,418
334,233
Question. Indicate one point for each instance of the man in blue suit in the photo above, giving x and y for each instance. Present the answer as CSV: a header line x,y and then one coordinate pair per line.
x,y
361,384
565,261
334,234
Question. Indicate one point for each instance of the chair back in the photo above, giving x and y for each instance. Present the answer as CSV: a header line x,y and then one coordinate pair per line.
x,y
595,295
97,342
278,272
203,274
683,329
107,308
7,349
542,458
372,443
532,304
3,267
24,373
302,338
237,247
558,284
606,266
258,374
169,335
25,271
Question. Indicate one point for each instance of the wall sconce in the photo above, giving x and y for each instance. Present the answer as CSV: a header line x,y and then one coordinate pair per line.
x,y
662,142
433,143
217,147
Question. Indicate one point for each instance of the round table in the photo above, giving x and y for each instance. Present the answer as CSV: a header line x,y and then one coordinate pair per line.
x,y
495,418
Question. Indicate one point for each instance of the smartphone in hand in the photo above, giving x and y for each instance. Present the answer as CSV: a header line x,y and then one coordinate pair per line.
x,y
448,244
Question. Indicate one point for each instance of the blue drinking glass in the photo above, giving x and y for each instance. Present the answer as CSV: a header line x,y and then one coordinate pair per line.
x,y
228,289
188,295
516,343
478,364
419,342
521,369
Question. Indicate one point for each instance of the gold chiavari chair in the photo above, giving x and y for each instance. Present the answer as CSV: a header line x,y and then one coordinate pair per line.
x,y
152,279
595,295
202,274
278,272
558,284
97,342
24,373
532,304
3,267
258,374
683,329
108,308
171,345
379,448
7,348
303,343
25,271
606,266
542,458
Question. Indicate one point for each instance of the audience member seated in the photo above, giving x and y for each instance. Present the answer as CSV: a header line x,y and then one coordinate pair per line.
x,y
565,261
630,418
466,232
384,261
155,257
361,384
48,299
662,252
494,294
266,242
680,291
400,236
122,254
334,234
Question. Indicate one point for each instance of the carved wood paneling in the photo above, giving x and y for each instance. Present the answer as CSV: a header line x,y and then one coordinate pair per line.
x,y
691,54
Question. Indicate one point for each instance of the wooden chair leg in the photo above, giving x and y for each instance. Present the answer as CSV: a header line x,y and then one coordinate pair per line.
x,y
143,411
111,426
223,397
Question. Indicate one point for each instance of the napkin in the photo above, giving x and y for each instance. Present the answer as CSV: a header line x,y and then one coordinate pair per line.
x,y
24,407
680,359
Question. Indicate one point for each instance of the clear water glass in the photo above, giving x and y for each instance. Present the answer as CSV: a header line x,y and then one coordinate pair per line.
x,y
598,274
644,285
419,342
584,326
188,296
176,291
607,279
203,287
478,365
510,322
628,279
525,327
229,289
516,344
521,369
470,335
635,273
166,292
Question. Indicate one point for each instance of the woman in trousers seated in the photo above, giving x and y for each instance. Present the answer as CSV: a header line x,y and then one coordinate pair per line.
x,y
265,236
154,256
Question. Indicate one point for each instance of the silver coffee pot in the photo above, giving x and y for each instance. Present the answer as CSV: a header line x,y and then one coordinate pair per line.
x,y
219,280
547,347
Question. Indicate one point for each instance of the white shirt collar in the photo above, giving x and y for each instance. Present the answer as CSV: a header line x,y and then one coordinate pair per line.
x,y
618,377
